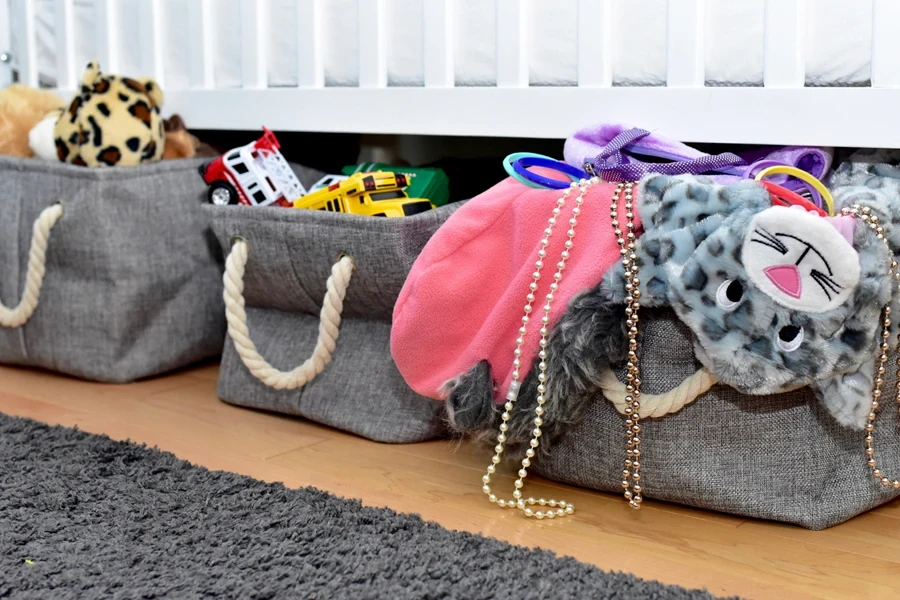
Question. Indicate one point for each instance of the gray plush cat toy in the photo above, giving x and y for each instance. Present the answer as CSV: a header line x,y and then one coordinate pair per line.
x,y
776,298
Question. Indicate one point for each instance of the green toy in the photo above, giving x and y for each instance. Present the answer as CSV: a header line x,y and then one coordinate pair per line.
x,y
425,182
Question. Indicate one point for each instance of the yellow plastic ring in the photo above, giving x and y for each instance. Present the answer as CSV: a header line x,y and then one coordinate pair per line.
x,y
804,176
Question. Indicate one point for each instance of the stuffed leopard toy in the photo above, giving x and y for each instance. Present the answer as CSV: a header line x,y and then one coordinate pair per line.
x,y
114,121
775,298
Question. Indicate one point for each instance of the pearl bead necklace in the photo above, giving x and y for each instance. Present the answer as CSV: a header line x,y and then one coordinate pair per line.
x,y
557,508
866,216
631,475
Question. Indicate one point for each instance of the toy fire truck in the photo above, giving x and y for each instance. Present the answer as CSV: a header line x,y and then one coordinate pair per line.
x,y
256,174
378,194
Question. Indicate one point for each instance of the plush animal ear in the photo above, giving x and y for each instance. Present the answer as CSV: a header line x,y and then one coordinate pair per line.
x,y
90,76
154,92
848,396
879,194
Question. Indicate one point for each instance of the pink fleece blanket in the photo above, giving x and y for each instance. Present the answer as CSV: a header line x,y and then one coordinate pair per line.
x,y
465,296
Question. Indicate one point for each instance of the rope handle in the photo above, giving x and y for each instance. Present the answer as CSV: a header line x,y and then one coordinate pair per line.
x,y
329,322
34,278
659,405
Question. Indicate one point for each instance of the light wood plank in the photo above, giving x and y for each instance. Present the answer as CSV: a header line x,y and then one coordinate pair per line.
x,y
441,480
437,41
151,18
372,39
784,63
685,60
5,46
254,51
595,32
65,45
501,112
107,34
27,58
202,42
311,69
512,43
885,44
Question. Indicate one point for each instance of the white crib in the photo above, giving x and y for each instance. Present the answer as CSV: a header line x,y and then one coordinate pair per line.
x,y
819,72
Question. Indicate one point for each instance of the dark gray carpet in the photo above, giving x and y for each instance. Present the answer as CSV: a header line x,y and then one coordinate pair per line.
x,y
82,516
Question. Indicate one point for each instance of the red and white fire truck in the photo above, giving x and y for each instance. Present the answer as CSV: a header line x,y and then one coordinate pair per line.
x,y
256,174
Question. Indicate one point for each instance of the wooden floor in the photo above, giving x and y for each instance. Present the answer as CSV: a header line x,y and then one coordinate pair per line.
x,y
441,481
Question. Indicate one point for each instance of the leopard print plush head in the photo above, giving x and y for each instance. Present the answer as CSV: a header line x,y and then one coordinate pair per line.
x,y
113,121
777,298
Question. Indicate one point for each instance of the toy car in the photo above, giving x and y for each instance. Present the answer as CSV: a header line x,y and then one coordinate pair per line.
x,y
424,182
256,174
378,194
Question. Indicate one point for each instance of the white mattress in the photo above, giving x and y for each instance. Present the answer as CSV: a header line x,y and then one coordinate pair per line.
x,y
838,42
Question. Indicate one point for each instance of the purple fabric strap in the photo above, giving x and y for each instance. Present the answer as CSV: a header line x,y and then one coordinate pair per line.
x,y
614,165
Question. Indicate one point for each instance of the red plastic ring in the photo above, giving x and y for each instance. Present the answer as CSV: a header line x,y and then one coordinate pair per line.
x,y
785,197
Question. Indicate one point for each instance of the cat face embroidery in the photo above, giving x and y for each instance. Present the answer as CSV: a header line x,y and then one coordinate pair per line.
x,y
800,260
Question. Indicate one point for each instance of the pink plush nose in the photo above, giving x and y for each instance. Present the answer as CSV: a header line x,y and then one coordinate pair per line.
x,y
786,278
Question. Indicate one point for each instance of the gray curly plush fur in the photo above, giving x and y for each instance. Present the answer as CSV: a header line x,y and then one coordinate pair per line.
x,y
694,231
590,335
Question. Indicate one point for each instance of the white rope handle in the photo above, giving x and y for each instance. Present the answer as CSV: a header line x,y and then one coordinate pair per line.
x,y
34,278
658,405
329,323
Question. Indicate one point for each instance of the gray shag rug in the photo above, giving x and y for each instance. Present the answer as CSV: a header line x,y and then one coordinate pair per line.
x,y
82,516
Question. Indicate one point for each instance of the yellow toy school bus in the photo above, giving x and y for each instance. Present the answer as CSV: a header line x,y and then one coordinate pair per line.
x,y
378,194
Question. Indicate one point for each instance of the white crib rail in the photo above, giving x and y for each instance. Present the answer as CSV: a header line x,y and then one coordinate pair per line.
x,y
782,111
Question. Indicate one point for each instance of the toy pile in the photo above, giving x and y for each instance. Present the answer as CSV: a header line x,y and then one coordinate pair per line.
x,y
257,174
781,282
113,121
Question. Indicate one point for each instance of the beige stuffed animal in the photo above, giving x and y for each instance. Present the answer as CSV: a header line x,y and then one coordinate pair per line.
x,y
21,108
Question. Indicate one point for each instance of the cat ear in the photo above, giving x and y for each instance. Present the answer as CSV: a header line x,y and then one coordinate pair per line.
x,y
879,194
848,396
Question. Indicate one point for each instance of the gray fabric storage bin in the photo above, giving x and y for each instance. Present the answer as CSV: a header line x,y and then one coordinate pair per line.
x,y
779,457
132,286
291,253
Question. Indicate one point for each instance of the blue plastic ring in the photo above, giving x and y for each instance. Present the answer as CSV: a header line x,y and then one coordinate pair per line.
x,y
508,167
521,167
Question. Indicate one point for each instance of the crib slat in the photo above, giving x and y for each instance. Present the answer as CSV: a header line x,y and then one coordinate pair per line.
x,y
595,19
372,36
885,44
202,42
685,63
151,19
512,43
26,57
309,44
785,43
106,26
65,45
5,46
437,43
253,44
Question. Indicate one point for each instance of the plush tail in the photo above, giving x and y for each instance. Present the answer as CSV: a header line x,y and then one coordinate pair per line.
x,y
590,335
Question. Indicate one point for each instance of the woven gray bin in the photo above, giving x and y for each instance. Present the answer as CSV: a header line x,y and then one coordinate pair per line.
x,y
780,457
132,283
291,254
